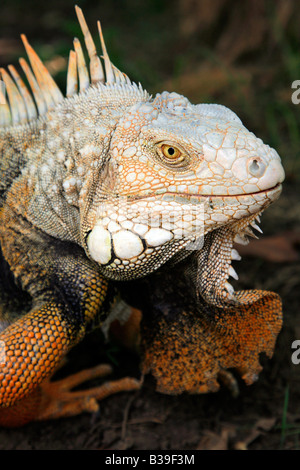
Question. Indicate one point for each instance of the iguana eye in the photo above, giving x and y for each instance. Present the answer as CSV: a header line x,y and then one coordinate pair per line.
x,y
171,152
172,156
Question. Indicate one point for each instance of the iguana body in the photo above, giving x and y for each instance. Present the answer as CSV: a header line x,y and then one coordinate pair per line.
x,y
110,184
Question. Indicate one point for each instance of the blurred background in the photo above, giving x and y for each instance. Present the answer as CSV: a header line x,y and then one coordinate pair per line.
x,y
244,55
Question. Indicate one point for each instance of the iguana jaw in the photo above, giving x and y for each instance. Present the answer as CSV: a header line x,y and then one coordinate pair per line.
x,y
128,238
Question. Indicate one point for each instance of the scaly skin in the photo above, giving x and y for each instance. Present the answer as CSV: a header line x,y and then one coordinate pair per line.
x,y
109,184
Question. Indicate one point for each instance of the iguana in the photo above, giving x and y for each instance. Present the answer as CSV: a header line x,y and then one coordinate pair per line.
x,y
111,201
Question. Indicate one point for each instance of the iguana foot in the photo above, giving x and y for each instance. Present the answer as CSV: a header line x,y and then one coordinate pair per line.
x,y
56,399
61,401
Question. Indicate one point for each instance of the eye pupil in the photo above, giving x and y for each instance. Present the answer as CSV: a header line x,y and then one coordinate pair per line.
x,y
171,151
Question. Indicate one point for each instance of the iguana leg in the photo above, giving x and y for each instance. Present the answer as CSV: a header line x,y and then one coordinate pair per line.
x,y
55,399
31,349
69,297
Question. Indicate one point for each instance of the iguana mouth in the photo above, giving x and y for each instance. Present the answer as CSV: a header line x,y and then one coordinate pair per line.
x,y
275,188
188,197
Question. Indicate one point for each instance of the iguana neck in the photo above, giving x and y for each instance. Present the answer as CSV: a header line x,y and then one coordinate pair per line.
x,y
66,151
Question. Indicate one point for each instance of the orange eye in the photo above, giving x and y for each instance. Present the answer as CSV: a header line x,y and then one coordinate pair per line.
x,y
170,152
172,157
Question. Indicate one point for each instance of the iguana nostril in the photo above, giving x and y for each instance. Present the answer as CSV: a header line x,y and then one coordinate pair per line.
x,y
256,167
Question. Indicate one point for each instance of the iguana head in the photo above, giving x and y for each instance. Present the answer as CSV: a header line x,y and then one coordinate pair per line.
x,y
179,171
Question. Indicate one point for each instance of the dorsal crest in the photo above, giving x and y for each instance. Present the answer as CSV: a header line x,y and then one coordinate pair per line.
x,y
27,103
